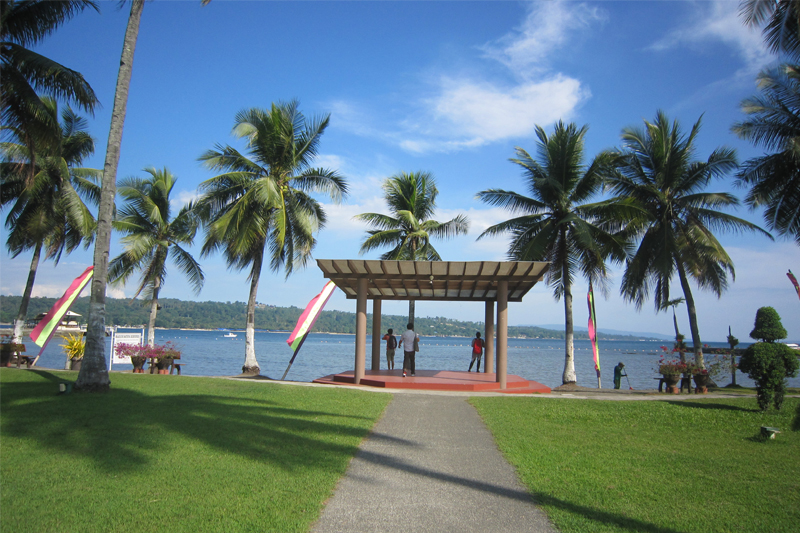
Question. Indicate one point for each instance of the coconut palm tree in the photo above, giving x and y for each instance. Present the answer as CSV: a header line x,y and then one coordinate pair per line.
x,y
782,18
151,237
47,213
261,203
408,230
658,171
774,124
556,223
25,75
94,373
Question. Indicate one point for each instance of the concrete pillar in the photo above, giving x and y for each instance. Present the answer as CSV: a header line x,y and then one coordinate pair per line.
x,y
376,334
502,332
488,337
361,329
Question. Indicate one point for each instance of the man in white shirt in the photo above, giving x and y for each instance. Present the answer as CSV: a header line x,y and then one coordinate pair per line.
x,y
409,354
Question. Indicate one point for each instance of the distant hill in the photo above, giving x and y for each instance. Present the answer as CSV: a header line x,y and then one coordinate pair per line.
x,y
644,335
179,314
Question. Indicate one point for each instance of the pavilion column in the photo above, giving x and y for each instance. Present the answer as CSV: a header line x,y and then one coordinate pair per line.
x,y
488,337
361,329
502,332
376,334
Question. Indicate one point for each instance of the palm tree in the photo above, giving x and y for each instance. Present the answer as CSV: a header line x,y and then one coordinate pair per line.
x,y
26,75
774,123
782,17
407,231
48,213
674,229
556,224
94,373
151,236
261,202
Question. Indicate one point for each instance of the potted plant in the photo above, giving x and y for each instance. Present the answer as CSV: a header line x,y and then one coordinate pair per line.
x,y
166,353
671,371
74,346
136,353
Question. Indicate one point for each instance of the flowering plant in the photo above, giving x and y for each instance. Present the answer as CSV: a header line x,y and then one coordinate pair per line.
x,y
157,351
674,366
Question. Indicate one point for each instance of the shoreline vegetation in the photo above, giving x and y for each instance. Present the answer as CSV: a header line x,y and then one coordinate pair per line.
x,y
210,316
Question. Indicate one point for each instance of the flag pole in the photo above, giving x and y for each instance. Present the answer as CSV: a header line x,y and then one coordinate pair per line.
x,y
291,361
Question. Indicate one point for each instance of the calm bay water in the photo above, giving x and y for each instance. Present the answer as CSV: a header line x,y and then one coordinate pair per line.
x,y
209,353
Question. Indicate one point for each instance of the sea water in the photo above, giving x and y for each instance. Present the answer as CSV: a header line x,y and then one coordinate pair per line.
x,y
210,353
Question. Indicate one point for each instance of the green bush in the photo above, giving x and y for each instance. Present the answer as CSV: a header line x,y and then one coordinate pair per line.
x,y
768,325
769,364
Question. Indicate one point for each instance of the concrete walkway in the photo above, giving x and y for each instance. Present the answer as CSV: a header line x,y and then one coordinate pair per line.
x,y
430,464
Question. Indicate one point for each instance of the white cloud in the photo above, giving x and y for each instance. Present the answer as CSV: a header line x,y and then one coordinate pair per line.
x,y
720,21
465,111
484,112
547,27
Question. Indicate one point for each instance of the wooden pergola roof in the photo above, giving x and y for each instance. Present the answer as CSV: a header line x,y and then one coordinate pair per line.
x,y
433,280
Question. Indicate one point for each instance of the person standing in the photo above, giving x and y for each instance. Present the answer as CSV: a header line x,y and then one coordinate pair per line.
x,y
477,351
391,345
618,373
409,341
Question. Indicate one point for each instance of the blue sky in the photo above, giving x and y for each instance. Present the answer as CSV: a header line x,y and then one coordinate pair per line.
x,y
445,87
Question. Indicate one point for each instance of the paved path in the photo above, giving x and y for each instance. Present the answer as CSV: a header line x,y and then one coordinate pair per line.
x,y
430,464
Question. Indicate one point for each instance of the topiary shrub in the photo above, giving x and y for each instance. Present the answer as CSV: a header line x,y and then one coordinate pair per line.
x,y
768,327
768,363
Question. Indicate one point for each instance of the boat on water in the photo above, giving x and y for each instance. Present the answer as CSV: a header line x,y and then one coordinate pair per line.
x,y
230,335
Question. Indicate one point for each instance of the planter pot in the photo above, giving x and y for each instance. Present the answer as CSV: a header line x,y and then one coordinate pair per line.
x,y
138,364
671,381
701,383
75,364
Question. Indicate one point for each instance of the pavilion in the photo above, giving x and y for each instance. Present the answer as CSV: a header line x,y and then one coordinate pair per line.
x,y
496,283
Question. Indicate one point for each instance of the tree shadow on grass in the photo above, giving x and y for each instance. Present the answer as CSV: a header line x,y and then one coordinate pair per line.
x,y
125,429
712,405
591,513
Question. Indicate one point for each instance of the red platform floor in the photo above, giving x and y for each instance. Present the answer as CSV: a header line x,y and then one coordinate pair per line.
x,y
443,380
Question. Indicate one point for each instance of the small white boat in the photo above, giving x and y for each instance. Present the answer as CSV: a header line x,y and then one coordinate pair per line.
x,y
230,335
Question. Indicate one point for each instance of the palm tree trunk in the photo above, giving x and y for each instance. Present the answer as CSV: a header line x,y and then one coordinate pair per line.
x,y
569,360
687,293
250,362
26,296
151,324
94,373
677,335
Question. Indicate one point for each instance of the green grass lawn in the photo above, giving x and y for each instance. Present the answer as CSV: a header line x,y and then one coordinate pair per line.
x,y
653,466
168,453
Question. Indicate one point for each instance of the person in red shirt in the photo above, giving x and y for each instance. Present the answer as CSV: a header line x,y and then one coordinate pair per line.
x,y
477,351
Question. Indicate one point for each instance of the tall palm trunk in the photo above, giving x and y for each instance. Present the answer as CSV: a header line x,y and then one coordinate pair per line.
x,y
26,296
569,360
250,362
687,293
151,324
94,373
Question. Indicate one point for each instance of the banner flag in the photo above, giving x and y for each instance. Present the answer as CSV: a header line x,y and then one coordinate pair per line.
x,y
794,282
593,331
307,320
44,330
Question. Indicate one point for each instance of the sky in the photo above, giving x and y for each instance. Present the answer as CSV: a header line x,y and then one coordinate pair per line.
x,y
449,88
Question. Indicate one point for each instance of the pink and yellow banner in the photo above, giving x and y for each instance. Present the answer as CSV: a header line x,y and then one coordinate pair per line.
x,y
593,330
794,282
47,326
310,315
